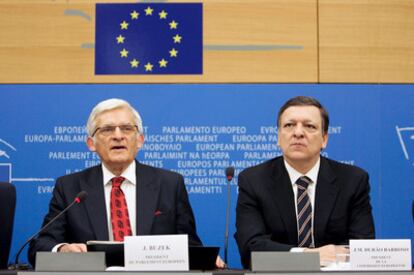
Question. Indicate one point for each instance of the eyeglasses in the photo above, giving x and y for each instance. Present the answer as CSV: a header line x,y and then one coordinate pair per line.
x,y
109,130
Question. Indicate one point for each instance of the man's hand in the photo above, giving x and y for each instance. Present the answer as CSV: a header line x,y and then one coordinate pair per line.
x,y
327,253
220,264
73,247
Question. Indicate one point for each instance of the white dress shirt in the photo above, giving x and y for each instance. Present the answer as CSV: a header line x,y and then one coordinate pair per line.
x,y
294,175
129,189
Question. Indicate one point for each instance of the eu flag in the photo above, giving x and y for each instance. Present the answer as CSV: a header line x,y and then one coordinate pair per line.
x,y
149,38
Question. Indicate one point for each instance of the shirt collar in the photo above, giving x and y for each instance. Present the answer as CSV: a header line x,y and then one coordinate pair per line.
x,y
128,174
294,175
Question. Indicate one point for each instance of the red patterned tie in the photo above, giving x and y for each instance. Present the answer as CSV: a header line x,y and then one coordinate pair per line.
x,y
119,211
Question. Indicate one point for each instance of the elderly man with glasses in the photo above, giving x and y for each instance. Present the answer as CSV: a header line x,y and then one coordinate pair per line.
x,y
125,196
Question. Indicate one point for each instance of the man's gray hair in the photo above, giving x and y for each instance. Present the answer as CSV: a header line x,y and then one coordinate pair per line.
x,y
111,104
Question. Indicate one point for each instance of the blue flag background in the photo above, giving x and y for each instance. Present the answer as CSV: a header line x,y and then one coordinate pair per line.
x,y
150,38
200,129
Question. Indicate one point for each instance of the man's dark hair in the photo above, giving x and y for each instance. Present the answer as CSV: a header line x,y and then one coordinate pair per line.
x,y
306,101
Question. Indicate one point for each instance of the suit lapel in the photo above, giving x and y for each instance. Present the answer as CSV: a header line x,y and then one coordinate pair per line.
x,y
281,191
95,204
325,197
148,188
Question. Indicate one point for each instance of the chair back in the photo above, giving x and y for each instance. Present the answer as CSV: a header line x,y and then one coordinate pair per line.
x,y
7,208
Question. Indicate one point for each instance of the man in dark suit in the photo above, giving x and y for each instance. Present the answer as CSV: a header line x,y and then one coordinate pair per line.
x,y
301,201
155,200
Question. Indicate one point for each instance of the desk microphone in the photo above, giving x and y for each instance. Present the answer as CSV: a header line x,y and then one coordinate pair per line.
x,y
81,196
229,177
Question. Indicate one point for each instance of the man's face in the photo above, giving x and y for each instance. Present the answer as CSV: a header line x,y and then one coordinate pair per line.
x,y
116,148
300,135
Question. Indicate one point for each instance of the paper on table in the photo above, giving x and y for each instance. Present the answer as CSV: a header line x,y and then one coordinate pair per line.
x,y
337,267
103,242
115,268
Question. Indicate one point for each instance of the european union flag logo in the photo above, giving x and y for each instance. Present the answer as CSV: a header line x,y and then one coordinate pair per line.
x,y
149,38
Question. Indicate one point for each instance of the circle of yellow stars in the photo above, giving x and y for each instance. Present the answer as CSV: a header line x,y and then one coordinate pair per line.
x,y
163,62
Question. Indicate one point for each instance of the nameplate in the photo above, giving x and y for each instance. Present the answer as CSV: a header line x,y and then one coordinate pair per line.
x,y
284,261
156,253
389,255
88,261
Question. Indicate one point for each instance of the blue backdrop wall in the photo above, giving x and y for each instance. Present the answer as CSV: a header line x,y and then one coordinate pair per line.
x,y
198,130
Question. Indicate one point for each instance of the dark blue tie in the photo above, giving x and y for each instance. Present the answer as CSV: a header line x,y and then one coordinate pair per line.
x,y
305,238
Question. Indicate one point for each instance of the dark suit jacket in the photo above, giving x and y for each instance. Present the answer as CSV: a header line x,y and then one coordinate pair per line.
x,y
265,213
162,208
7,209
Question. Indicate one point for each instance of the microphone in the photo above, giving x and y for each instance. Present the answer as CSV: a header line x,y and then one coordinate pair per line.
x,y
229,173
81,196
229,177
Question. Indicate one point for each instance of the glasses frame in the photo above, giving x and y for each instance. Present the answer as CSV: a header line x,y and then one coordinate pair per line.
x,y
114,128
